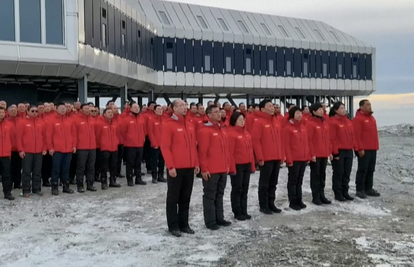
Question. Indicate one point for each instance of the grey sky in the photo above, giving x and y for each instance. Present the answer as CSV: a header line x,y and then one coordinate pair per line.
x,y
388,25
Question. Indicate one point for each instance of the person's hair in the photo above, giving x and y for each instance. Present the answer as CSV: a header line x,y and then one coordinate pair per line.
x,y
362,102
192,104
303,108
334,108
225,103
40,104
263,103
107,103
241,103
12,106
315,107
1,108
151,102
30,107
156,106
175,102
60,104
84,105
210,108
105,110
132,102
90,103
292,112
199,105
210,102
234,117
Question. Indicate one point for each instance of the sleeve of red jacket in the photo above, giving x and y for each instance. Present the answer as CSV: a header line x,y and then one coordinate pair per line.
x,y
332,137
151,133
256,134
166,142
230,144
286,139
203,146
357,125
310,129
75,136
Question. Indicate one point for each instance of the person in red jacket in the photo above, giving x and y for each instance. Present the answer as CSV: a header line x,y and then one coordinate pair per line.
x,y
117,119
341,133
268,148
296,146
6,135
250,120
214,163
366,136
21,110
132,131
15,160
31,144
177,136
320,150
60,140
85,148
107,140
242,164
224,121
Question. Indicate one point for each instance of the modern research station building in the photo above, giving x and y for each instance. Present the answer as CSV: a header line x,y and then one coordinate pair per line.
x,y
55,50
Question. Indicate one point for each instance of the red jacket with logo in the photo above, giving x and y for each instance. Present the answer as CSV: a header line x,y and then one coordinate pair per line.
x,y
14,120
30,135
341,132
213,152
60,133
366,132
85,131
107,135
250,122
133,130
6,133
178,143
240,147
318,137
154,130
296,145
267,138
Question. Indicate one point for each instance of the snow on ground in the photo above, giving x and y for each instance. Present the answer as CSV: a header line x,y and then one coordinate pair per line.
x,y
127,226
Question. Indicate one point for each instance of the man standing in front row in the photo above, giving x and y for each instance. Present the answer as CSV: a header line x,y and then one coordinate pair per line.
x,y
215,163
6,135
366,135
177,135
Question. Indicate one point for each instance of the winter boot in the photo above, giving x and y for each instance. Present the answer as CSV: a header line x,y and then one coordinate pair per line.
x,y
104,183
119,175
113,183
66,188
324,200
243,204
154,177
339,197
161,177
80,187
293,197
372,193
90,187
130,180
347,196
299,192
55,190
9,196
139,181
97,178
361,194
72,181
294,204
46,183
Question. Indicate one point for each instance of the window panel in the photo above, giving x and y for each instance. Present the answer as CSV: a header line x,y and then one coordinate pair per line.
x,y
7,20
164,17
339,70
242,26
354,72
103,35
228,65
300,33
203,23
283,31
319,34
265,29
335,36
123,39
325,70
288,68
248,65
30,27
223,24
169,61
271,64
207,63
305,69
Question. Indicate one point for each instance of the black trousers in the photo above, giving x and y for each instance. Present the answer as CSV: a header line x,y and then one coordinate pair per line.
x,y
108,159
240,188
120,157
46,167
157,160
341,172
318,177
133,161
72,169
269,175
295,179
32,173
98,162
60,167
147,153
5,173
365,173
16,169
179,193
85,165
213,198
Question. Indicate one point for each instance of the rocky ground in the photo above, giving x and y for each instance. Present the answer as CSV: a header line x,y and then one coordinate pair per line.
x,y
127,226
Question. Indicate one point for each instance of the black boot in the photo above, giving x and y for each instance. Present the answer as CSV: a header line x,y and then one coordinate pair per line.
x,y
154,177
90,187
66,188
9,196
138,181
104,183
113,183
293,197
80,187
72,181
340,197
299,192
55,190
324,200
161,177
294,204
347,196
119,175
243,204
46,183
130,180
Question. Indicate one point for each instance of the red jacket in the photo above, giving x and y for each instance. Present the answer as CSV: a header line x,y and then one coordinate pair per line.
x,y
341,132
267,138
14,120
250,122
296,145
213,152
318,137
146,116
107,135
85,131
6,133
30,135
240,147
366,132
154,130
133,130
60,134
178,144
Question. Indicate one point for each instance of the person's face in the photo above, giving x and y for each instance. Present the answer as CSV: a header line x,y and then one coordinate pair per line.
x,y
115,110
215,115
227,106
13,111
47,107
33,112
109,114
269,108
277,109
298,115
193,109
232,108
151,107
94,111
256,109
21,108
3,104
240,121
324,106
341,110
201,110
250,109
180,108
126,105
77,105
41,108
2,114
242,107
158,111
61,109
306,110
319,112
222,113
26,106
367,107
110,104
144,109
135,108
86,110
210,103
218,104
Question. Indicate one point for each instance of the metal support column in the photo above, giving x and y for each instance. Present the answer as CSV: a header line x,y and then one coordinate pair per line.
x,y
183,96
200,99
83,89
248,100
217,98
231,100
97,102
124,96
140,101
166,98
150,95
351,106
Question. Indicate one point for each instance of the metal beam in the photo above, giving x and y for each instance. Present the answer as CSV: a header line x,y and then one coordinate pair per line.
x,y
217,98
231,100
83,89
183,96
124,95
150,95
166,98
97,102
351,106
200,99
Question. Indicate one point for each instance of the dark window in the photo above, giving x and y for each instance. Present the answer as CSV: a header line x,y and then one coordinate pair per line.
x,y
104,13
30,27
123,24
152,41
7,20
248,51
169,45
54,22
139,34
